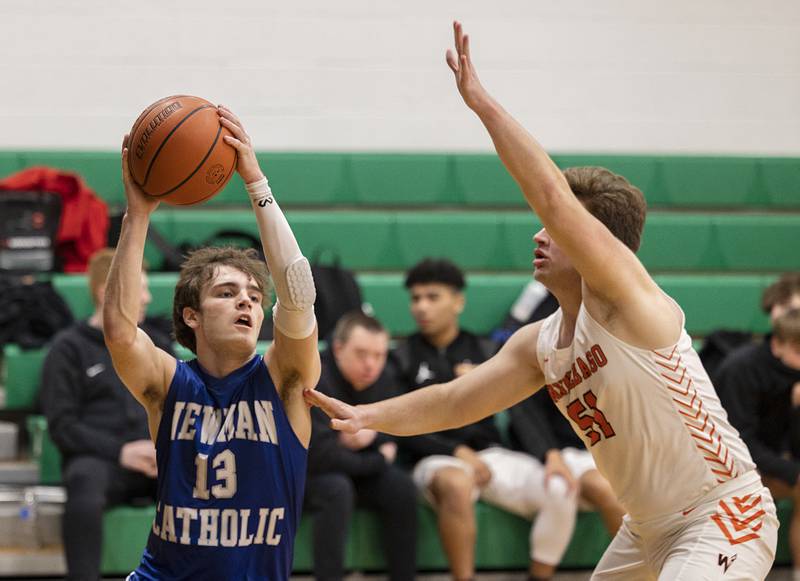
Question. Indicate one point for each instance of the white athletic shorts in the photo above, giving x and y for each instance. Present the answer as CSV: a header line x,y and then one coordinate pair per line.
x,y
511,485
729,537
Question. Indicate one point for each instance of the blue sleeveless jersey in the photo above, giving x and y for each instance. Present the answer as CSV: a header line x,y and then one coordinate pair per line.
x,y
231,475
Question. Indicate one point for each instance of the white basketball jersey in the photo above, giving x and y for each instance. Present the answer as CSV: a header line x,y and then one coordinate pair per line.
x,y
651,419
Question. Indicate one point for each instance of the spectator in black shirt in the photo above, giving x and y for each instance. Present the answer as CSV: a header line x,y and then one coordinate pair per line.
x,y
347,469
100,429
759,386
455,467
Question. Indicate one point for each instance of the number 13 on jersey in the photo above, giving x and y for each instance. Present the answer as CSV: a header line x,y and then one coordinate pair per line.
x,y
224,465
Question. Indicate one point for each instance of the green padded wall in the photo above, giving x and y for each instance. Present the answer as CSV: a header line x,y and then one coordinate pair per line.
x,y
502,240
21,372
402,179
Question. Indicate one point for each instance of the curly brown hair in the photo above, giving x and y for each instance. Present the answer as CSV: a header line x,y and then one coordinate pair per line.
x,y
612,199
198,270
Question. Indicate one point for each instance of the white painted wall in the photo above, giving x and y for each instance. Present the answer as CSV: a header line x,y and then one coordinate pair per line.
x,y
716,76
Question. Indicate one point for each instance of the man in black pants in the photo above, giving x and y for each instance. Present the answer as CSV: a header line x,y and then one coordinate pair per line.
x,y
100,430
349,469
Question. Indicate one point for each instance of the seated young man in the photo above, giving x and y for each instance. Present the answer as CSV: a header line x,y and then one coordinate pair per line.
x,y
349,469
456,467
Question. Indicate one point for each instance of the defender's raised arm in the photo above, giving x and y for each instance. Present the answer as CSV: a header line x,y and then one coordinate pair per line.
x,y
610,269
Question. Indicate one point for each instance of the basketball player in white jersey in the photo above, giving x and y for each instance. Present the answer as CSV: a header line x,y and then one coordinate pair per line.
x,y
618,363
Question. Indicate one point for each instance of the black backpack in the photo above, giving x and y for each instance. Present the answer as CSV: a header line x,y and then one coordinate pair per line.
x,y
31,312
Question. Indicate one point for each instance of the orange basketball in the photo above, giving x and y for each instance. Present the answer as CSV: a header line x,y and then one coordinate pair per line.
x,y
176,152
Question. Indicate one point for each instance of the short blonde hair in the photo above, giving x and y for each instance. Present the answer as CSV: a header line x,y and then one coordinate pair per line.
x,y
98,268
99,265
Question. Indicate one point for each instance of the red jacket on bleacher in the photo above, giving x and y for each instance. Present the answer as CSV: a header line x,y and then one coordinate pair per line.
x,y
83,228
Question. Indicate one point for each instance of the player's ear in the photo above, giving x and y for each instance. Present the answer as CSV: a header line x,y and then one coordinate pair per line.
x,y
461,302
190,317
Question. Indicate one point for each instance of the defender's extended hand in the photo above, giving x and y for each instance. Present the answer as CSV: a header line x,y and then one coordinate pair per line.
x,y
345,418
460,63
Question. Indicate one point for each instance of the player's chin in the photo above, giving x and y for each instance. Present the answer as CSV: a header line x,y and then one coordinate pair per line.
x,y
242,340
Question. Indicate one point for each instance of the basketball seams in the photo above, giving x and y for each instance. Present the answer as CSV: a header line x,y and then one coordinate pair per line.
x,y
199,165
140,119
222,185
163,143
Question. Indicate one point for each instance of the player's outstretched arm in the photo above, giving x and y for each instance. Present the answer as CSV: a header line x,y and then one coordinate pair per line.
x,y
607,266
500,382
295,347
145,369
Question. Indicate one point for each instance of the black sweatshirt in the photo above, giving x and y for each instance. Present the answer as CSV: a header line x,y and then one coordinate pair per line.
x,y
537,426
755,389
325,453
89,411
421,364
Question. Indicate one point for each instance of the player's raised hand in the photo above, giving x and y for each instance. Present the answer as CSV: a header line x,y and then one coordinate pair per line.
x,y
138,201
344,417
460,63
246,163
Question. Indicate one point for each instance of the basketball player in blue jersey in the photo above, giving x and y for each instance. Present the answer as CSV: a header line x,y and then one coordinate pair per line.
x,y
231,428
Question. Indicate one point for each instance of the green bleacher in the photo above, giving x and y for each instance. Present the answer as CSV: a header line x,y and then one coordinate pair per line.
x,y
386,179
502,240
719,230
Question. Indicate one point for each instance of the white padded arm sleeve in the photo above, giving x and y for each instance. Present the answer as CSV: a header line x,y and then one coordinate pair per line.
x,y
293,313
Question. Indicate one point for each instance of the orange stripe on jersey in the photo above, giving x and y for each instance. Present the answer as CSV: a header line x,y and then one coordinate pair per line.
x,y
667,357
699,424
732,522
670,367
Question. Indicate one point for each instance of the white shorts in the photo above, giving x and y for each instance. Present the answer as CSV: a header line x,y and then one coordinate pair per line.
x,y
726,539
578,461
515,483
517,486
